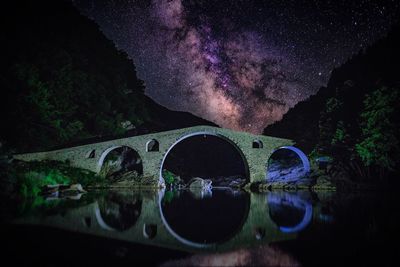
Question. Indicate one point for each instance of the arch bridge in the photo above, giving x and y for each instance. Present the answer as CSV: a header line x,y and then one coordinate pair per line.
x,y
153,149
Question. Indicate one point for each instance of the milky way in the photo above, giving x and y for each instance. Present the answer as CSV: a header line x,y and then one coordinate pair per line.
x,y
227,63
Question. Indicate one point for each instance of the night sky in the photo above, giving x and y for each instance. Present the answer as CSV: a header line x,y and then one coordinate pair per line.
x,y
240,64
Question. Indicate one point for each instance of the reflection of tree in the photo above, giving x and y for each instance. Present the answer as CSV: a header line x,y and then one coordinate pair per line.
x,y
169,196
119,211
290,211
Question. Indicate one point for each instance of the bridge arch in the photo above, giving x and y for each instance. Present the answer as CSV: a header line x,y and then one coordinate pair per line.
x,y
205,133
152,145
91,154
107,151
257,144
273,174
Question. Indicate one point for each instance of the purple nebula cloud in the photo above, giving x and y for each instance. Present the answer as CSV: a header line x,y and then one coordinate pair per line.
x,y
237,81
240,64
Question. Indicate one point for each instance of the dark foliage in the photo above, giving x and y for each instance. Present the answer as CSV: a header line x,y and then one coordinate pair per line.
x,y
300,123
63,81
355,118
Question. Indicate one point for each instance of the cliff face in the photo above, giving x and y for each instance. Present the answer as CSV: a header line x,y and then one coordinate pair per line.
x,y
63,81
376,67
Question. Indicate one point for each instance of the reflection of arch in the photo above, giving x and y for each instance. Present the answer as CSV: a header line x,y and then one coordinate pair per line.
x,y
152,145
100,220
236,213
276,169
110,149
118,212
257,144
284,205
149,230
174,234
161,179
87,221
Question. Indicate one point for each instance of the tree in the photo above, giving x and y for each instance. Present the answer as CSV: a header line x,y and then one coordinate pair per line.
x,y
379,144
327,124
62,80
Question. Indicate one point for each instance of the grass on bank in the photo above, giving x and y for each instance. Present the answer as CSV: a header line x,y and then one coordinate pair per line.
x,y
32,176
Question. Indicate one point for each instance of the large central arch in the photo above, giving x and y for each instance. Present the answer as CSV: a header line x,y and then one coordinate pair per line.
x,y
205,133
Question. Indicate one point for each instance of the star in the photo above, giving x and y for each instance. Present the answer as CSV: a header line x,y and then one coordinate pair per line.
x,y
240,64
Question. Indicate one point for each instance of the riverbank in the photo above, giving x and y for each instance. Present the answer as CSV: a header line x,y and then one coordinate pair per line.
x,y
25,180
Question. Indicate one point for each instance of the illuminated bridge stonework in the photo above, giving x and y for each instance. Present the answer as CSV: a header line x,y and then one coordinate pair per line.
x,y
153,148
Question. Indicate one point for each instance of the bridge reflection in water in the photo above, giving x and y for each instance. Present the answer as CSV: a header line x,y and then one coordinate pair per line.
x,y
180,220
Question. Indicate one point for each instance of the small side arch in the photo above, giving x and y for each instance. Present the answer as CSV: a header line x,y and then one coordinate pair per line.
x,y
91,154
152,145
257,144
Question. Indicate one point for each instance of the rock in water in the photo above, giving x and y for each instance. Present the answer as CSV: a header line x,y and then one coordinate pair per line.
x,y
201,183
286,175
50,190
76,187
59,190
200,188
230,181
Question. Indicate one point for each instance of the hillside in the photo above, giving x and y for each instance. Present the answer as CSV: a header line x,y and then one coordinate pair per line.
x,y
63,82
376,67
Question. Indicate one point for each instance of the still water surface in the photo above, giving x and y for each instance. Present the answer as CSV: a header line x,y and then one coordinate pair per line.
x,y
185,227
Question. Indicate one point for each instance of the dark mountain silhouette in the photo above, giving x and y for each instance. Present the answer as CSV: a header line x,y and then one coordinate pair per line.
x,y
378,66
62,81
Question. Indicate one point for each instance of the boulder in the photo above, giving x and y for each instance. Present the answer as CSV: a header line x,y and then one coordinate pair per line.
x,y
286,175
201,183
230,181
200,188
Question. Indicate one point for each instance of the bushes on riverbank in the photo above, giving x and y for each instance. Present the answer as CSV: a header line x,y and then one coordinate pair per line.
x,y
31,176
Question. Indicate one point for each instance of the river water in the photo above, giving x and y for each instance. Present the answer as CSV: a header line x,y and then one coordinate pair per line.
x,y
219,226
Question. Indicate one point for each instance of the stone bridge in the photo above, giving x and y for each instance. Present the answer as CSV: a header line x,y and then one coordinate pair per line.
x,y
255,150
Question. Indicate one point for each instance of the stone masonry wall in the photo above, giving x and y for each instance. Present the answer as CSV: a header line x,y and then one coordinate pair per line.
x,y
78,156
